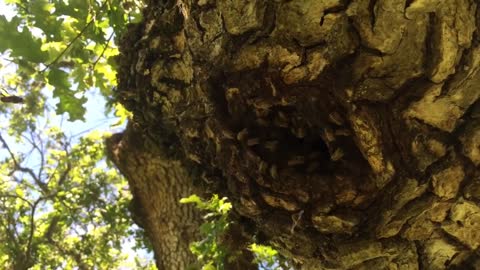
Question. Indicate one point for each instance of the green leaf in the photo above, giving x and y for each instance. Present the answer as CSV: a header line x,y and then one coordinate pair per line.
x,y
58,78
117,17
209,267
191,199
19,191
122,114
68,102
73,106
21,43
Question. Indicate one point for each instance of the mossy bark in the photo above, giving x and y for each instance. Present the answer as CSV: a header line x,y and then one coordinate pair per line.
x,y
346,133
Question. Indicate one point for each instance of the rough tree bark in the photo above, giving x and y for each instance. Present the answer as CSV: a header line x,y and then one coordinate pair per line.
x,y
347,133
157,183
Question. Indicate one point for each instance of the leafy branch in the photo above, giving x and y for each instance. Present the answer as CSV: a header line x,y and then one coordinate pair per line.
x,y
82,31
21,168
103,51
68,46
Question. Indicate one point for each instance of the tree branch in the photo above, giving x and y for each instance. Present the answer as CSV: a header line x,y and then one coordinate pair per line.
x,y
51,229
76,257
69,45
40,151
23,169
16,197
73,40
11,235
32,229
103,51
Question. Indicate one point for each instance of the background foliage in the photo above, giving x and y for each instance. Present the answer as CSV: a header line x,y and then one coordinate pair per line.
x,y
210,252
67,47
62,205
69,210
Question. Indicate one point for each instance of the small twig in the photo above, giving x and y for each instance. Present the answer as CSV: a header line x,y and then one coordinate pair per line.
x,y
103,51
40,151
32,220
10,230
11,235
64,174
25,9
76,256
16,197
12,223
69,166
22,169
51,229
10,61
69,45
26,183
50,177
63,177
73,40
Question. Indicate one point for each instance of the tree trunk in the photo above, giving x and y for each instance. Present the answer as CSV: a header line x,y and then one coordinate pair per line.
x,y
158,182
346,132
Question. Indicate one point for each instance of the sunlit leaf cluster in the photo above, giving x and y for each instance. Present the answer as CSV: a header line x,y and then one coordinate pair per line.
x,y
210,253
66,46
61,205
268,258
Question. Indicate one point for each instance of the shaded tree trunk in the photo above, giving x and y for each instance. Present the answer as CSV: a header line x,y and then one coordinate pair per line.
x,y
347,133
157,182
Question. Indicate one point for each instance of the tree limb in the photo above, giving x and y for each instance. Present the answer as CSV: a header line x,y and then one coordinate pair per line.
x,y
32,229
23,169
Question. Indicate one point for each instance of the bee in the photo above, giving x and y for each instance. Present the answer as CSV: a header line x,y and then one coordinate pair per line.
x,y
242,135
336,118
262,167
195,158
271,145
209,132
274,171
296,160
227,134
253,141
338,154
329,135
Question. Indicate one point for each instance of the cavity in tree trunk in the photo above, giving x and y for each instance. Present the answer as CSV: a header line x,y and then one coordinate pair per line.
x,y
346,133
